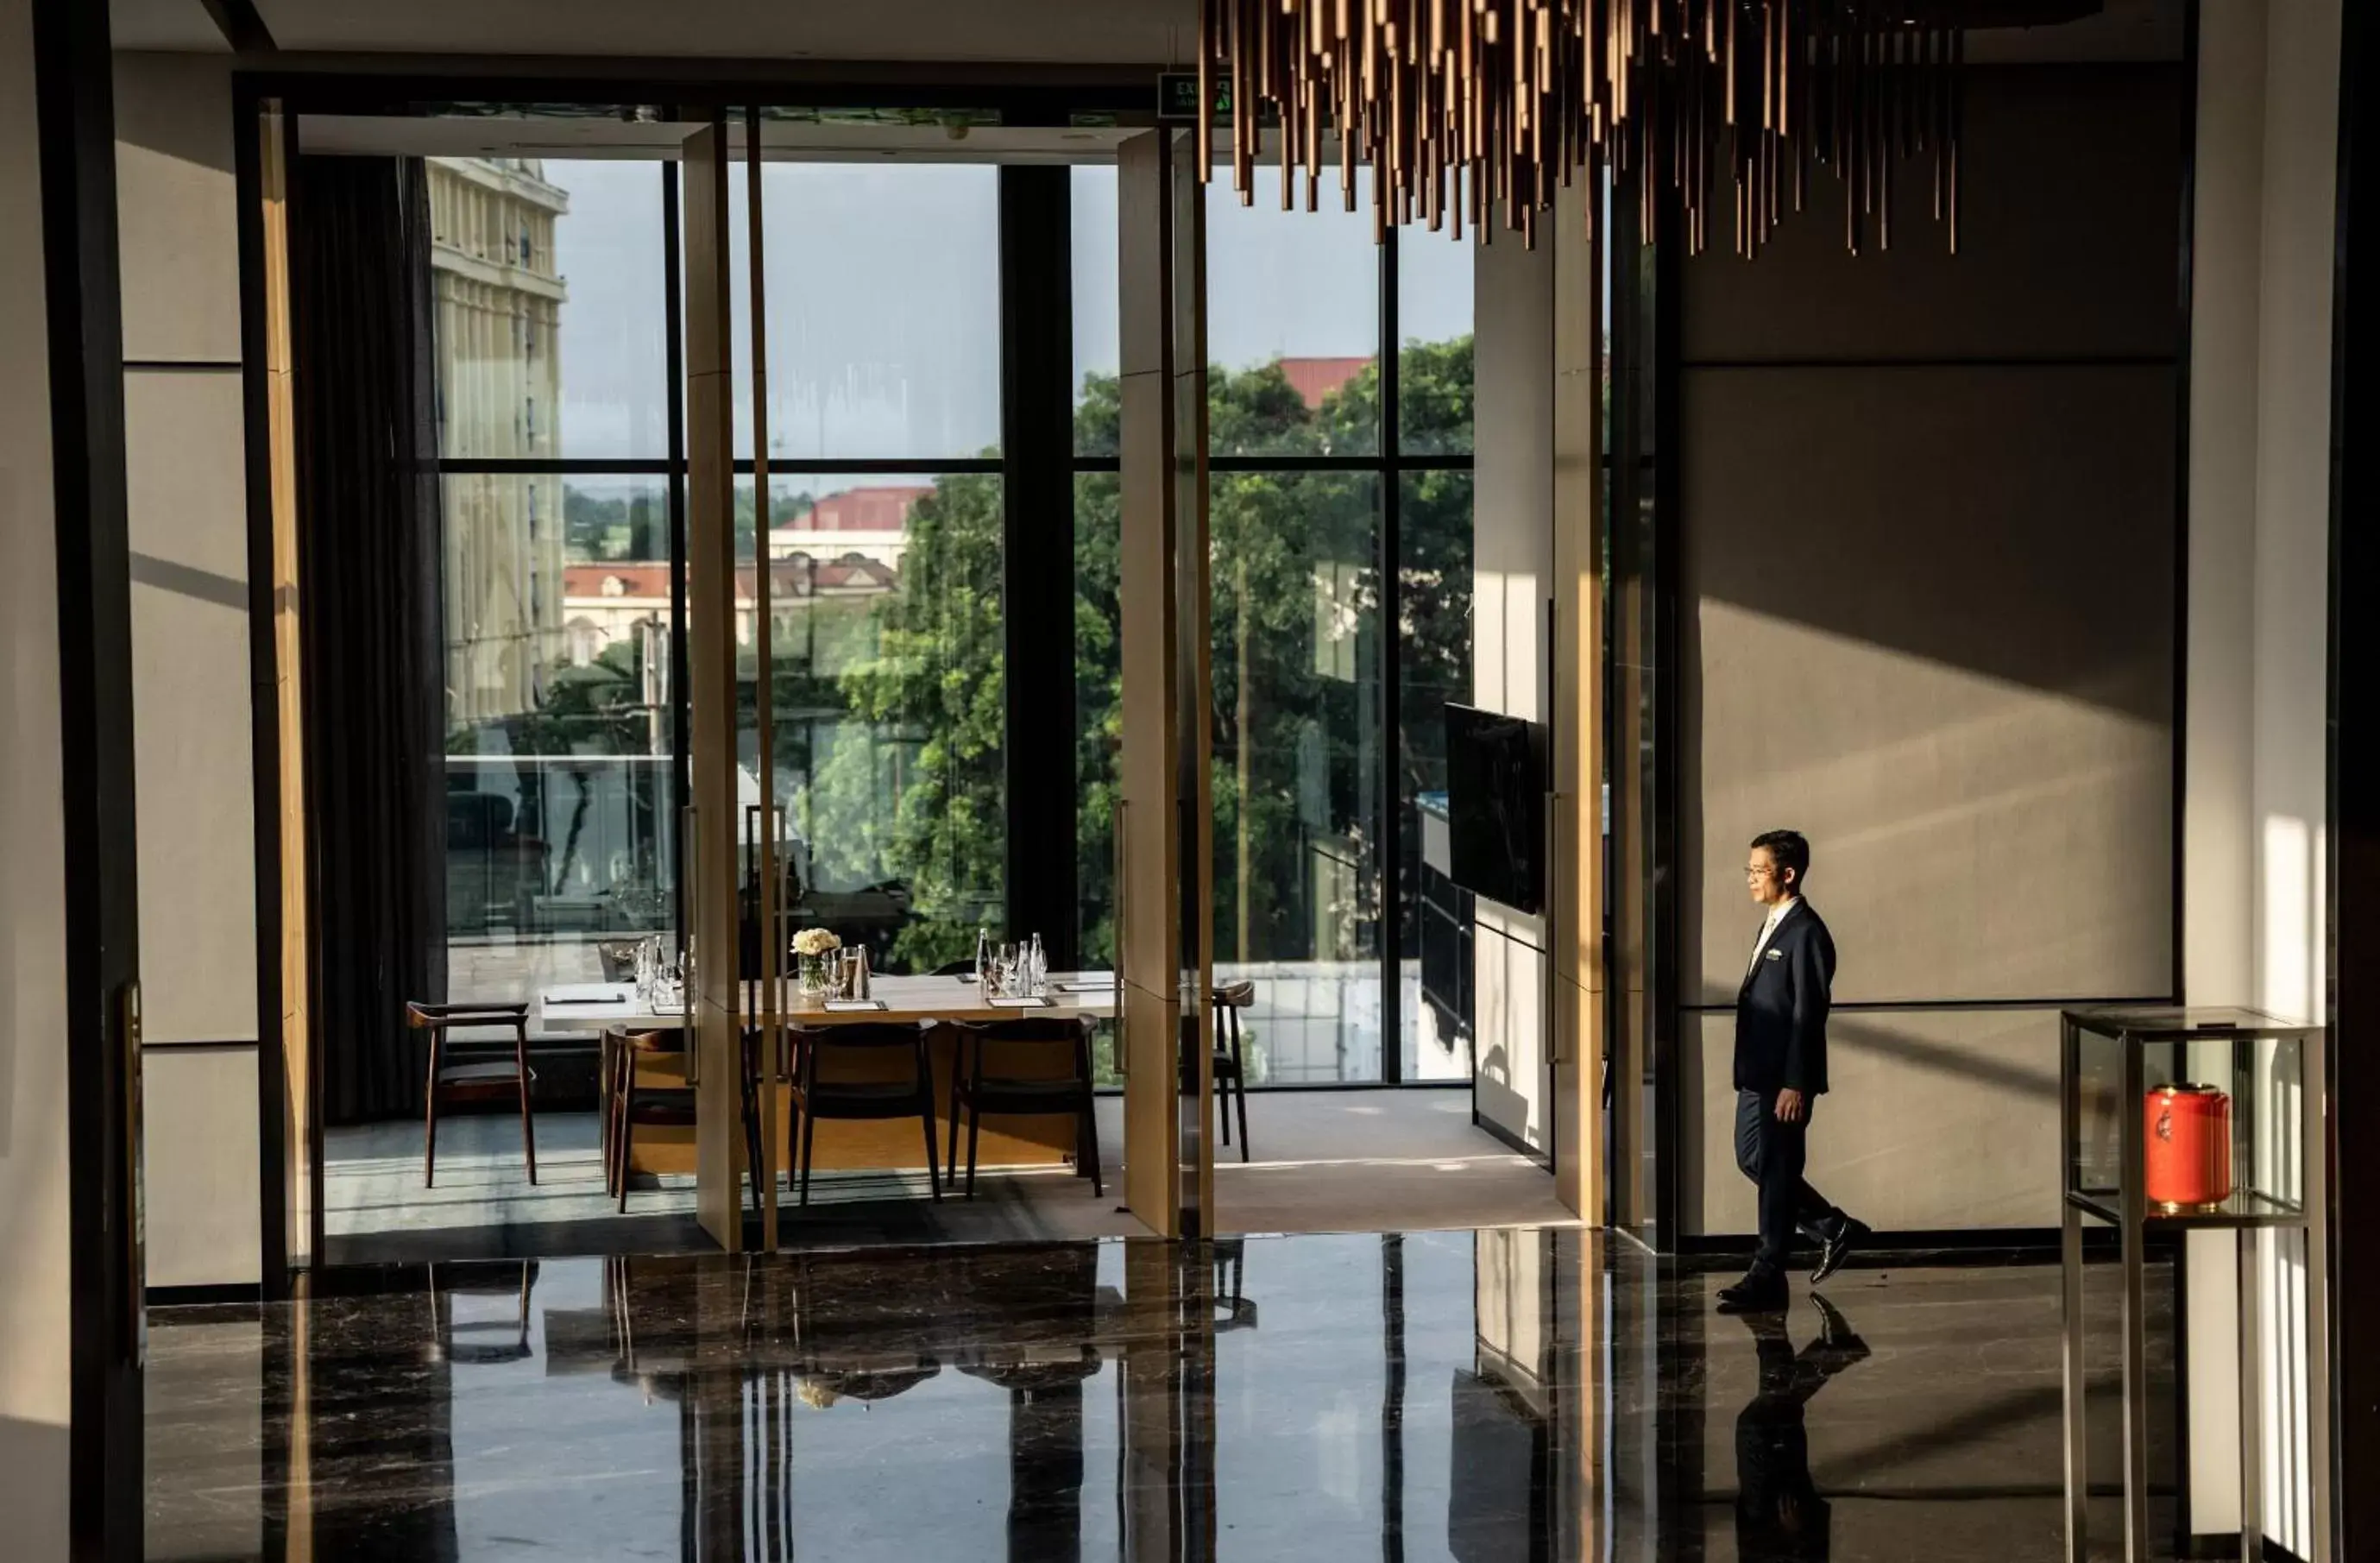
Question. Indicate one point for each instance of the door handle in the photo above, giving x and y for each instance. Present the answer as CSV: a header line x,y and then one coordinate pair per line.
x,y
1122,855
690,857
1556,1052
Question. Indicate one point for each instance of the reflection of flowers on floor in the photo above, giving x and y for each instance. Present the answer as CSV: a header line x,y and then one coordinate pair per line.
x,y
813,1393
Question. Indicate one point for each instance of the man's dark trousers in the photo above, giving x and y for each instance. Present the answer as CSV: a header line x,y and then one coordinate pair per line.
x,y
1773,1154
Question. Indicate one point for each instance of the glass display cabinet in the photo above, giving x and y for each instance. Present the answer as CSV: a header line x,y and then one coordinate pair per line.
x,y
2180,1121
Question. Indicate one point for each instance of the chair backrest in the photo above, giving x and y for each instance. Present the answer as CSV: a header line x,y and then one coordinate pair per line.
x,y
441,1016
1040,1029
880,1034
1235,995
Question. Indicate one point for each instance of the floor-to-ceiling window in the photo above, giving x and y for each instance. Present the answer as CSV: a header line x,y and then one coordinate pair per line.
x,y
551,347
883,540
1339,522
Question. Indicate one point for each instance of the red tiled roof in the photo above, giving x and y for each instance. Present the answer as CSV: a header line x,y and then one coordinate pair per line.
x,y
873,507
637,580
1315,379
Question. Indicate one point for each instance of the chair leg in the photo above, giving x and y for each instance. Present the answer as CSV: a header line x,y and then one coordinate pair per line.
x,y
625,1140
528,1133
1240,1083
752,1147
429,1117
810,1143
615,1155
926,1119
958,1060
1089,1116
1222,1104
975,1137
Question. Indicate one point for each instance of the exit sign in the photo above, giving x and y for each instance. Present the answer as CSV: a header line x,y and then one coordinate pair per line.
x,y
1177,97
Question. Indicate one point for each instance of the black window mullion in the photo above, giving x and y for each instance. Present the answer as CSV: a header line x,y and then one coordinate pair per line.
x,y
681,693
1036,464
1390,866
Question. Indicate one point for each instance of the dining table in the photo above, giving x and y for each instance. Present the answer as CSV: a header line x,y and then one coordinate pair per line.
x,y
943,1005
1089,996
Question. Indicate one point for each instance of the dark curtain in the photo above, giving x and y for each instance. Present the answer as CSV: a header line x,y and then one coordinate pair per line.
x,y
369,554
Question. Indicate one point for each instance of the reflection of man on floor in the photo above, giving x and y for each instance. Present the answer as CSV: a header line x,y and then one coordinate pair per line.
x,y
1778,1514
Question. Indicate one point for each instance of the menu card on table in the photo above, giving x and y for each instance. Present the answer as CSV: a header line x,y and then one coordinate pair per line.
x,y
845,1006
1019,1001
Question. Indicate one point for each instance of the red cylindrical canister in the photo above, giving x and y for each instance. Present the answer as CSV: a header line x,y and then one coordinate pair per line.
x,y
2188,1141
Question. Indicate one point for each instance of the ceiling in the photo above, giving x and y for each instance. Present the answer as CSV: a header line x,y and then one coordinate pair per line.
x,y
178,25
1058,31
1069,31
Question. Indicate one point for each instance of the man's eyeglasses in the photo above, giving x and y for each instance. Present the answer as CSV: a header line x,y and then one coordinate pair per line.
x,y
1750,873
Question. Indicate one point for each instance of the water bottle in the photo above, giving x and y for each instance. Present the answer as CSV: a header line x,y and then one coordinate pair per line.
x,y
982,959
1037,967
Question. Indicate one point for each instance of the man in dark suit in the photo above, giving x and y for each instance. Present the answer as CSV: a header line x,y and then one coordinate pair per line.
x,y
1781,1072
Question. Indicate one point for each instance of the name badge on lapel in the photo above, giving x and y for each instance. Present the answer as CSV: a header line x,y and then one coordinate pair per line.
x,y
1775,955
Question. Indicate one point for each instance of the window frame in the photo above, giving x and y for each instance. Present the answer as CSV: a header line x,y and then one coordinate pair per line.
x,y
1037,459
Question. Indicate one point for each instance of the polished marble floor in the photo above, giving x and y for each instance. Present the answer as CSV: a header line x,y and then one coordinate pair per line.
x,y
1323,1161
1471,1396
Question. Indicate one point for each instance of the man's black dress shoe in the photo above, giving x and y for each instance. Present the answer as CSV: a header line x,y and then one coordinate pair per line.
x,y
1761,1291
1839,1245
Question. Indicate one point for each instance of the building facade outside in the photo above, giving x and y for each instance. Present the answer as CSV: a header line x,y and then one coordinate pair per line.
x,y
497,339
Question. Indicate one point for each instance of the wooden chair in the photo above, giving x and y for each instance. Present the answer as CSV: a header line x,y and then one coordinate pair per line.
x,y
648,1088
819,1095
974,1092
478,1078
1231,1060
642,1081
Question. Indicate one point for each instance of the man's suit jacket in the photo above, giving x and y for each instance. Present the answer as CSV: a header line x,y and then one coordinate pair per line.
x,y
1780,1011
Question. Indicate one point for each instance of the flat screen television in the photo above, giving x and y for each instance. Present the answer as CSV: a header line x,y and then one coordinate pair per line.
x,y
1495,806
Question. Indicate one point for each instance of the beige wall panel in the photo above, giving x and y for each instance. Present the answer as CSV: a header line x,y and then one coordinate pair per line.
x,y
177,206
1937,1121
202,1157
192,707
1512,501
1510,1039
35,1385
1141,256
1512,574
1977,740
2071,227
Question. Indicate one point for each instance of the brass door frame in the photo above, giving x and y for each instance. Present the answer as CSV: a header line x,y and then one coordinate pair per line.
x,y
1165,884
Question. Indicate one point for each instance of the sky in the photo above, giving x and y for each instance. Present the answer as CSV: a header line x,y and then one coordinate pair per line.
x,y
883,325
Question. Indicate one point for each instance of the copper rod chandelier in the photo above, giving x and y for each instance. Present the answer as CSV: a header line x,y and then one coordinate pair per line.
x,y
1466,108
